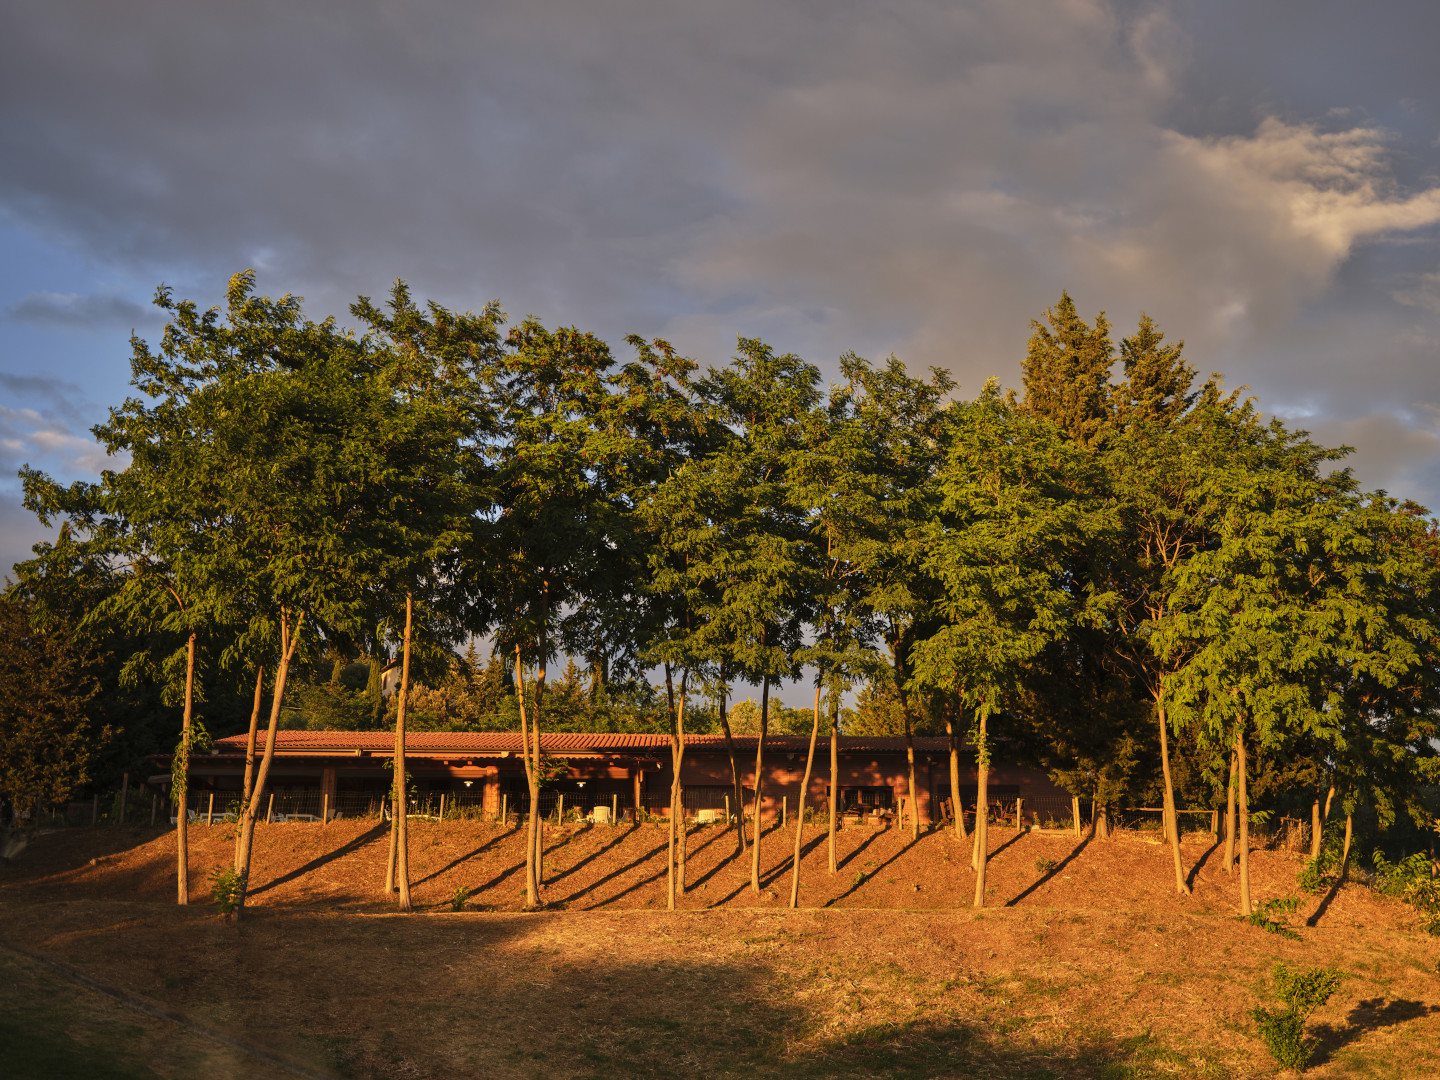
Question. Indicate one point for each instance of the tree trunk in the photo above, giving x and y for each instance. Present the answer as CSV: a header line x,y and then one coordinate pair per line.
x,y
734,774
182,797
1229,866
402,800
956,808
982,816
532,885
1172,823
909,740
394,843
250,750
1329,798
1315,827
675,862
1244,811
834,775
1345,852
288,640
759,782
684,840
800,804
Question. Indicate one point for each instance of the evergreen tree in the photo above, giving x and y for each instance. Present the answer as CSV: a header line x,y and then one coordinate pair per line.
x,y
1066,372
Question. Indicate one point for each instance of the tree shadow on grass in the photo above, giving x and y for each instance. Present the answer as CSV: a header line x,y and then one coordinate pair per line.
x,y
464,858
1049,874
1369,1015
369,836
1194,874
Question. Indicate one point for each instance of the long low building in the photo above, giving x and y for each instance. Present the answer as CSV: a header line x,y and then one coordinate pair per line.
x,y
348,774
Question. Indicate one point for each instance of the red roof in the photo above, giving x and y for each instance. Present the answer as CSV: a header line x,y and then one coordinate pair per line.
x,y
475,742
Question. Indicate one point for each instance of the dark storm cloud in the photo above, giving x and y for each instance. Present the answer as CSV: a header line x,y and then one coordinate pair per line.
x,y
69,311
923,177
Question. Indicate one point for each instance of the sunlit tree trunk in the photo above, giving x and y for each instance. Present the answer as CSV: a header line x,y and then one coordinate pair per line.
x,y
956,807
734,773
250,749
909,747
398,822
289,637
1244,812
759,783
800,804
675,874
182,795
982,814
834,775
1172,822
1315,827
532,885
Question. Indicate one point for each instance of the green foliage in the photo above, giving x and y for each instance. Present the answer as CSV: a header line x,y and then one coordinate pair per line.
x,y
461,895
1318,874
1270,916
227,887
1283,1029
1044,866
194,741
1411,880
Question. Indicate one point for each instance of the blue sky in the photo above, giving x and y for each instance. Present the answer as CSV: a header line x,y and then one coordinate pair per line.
x,y
915,177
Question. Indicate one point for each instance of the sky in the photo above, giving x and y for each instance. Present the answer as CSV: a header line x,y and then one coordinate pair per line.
x,y
909,177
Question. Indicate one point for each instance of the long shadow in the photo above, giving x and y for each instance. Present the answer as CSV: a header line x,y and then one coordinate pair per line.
x,y
765,875
1051,872
653,877
619,838
1369,1015
315,864
860,880
1200,864
1329,898
464,858
783,867
500,877
704,878
858,849
1013,840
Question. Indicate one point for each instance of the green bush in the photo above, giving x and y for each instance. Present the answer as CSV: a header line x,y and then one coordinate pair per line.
x,y
1410,880
1269,916
457,902
226,888
1301,992
1319,873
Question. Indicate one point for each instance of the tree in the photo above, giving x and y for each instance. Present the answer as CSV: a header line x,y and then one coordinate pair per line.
x,y
1008,516
1066,372
48,740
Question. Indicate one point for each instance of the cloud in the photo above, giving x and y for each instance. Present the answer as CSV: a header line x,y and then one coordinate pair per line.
x,y
70,311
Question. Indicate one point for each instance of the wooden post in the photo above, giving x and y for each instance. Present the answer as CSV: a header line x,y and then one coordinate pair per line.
x,y
1214,826
614,809
325,808
1019,813
560,809
638,779
210,810
154,805
95,809
1075,812
784,818
124,794
442,806
270,810
727,809
505,810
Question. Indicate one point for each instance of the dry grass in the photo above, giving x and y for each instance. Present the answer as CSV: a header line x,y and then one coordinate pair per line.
x,y
1095,971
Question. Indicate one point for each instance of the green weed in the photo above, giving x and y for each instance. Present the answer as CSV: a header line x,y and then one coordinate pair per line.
x,y
1301,992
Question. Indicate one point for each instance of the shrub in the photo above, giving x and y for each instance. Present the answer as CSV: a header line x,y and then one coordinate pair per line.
x,y
1301,992
226,888
1410,880
457,902
1044,866
1269,915
1318,874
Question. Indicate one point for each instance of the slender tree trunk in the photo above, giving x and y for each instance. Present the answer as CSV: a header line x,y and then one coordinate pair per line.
x,y
982,815
1315,827
684,839
759,783
1229,866
394,843
1329,798
1172,822
956,808
1345,852
909,741
800,804
288,640
250,751
182,797
734,774
1244,811
834,775
532,886
670,857
402,812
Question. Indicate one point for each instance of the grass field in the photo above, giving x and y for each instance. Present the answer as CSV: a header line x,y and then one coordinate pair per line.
x,y
1086,965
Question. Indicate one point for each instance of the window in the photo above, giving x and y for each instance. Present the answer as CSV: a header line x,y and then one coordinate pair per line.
x,y
863,799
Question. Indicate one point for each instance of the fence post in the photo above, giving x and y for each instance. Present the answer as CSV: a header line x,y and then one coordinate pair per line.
x,y
442,806
614,809
124,794
270,810
784,813
210,810
1214,826
1075,812
1019,813
505,810
324,808
560,809
727,810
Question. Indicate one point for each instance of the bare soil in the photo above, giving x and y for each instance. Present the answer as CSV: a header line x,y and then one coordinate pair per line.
x,y
1084,964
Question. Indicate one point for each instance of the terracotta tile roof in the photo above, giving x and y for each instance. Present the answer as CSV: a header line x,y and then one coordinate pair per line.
x,y
555,741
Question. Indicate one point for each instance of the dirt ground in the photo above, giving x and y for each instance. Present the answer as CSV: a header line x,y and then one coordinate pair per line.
x,y
1084,964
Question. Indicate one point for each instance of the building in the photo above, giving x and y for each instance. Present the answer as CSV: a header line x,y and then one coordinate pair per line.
x,y
348,773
